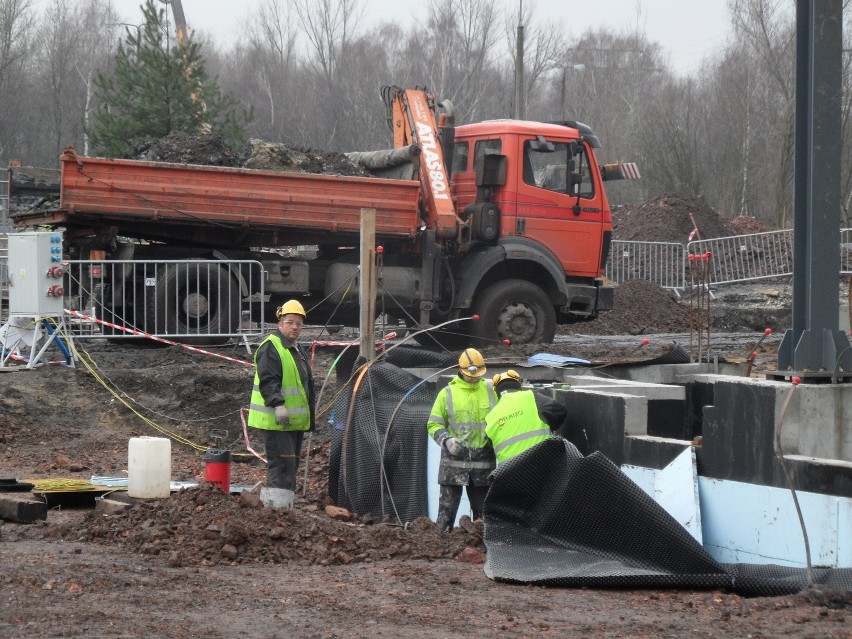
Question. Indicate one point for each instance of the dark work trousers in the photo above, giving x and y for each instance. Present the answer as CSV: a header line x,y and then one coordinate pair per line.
x,y
448,503
283,449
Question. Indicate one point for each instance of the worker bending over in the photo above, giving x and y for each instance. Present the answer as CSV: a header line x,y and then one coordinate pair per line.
x,y
521,419
282,403
457,424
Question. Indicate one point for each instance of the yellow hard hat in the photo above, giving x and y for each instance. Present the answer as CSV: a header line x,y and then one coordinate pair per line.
x,y
508,376
289,307
471,363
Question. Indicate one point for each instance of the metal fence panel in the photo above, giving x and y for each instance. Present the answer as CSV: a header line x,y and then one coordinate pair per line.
x,y
196,301
4,274
743,258
846,251
660,262
5,225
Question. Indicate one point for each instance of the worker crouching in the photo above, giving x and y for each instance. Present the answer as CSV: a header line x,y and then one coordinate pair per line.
x,y
457,424
521,419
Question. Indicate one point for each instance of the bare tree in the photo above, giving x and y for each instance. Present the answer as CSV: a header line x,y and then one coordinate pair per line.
x,y
767,29
93,54
543,51
16,21
672,138
455,47
328,25
270,66
59,38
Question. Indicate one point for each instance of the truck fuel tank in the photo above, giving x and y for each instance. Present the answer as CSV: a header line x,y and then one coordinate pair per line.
x,y
400,282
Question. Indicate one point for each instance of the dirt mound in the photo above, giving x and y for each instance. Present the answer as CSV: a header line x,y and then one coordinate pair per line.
x,y
272,156
744,225
204,526
640,308
180,147
667,219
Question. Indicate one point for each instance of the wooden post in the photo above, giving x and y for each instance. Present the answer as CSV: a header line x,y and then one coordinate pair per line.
x,y
367,288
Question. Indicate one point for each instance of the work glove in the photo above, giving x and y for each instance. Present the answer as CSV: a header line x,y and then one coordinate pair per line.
x,y
282,417
454,446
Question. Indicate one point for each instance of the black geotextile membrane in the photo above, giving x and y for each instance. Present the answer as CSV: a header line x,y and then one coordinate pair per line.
x,y
554,517
387,421
401,355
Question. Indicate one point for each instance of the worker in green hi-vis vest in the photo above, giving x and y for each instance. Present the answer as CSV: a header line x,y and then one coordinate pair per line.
x,y
282,403
521,419
457,424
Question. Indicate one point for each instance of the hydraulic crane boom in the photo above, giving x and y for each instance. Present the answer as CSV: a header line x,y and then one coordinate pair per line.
x,y
413,122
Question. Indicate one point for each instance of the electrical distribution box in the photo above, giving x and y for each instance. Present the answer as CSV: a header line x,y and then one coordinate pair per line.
x,y
36,274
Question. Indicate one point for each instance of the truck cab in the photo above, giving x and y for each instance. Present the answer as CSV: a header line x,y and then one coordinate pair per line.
x,y
532,193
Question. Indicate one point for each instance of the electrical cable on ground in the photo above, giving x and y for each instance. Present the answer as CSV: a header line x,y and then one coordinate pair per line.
x,y
92,369
809,572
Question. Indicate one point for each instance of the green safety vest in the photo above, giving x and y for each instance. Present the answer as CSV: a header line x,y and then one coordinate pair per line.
x,y
295,398
514,425
460,408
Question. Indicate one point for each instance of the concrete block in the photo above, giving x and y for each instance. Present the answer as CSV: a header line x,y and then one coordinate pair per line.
x,y
109,506
22,507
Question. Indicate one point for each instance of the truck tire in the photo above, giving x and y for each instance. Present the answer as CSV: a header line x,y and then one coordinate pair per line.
x,y
516,310
191,301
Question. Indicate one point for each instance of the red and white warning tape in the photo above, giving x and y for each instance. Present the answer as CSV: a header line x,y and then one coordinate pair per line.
x,y
132,331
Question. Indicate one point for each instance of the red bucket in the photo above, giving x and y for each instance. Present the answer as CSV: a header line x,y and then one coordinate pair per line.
x,y
217,468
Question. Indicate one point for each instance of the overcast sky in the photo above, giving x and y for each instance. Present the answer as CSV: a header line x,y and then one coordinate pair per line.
x,y
688,30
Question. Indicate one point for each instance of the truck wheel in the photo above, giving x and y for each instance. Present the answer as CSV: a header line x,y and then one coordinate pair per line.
x,y
194,302
515,310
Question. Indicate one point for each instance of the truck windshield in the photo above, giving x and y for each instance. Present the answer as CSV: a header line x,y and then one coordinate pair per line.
x,y
550,170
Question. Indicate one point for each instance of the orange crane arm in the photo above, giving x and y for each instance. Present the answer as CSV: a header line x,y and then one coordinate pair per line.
x,y
413,121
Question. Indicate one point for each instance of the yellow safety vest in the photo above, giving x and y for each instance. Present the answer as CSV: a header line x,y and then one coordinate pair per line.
x,y
514,425
295,398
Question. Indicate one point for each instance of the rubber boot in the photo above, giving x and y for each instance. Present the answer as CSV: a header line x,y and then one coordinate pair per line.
x,y
276,497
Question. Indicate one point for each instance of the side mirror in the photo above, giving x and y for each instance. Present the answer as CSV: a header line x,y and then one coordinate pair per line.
x,y
574,182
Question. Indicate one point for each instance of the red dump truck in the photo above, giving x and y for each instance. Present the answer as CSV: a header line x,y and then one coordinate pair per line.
x,y
514,225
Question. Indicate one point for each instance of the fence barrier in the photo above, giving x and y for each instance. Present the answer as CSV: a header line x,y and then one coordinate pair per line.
x,y
663,263
4,271
736,258
196,301
191,301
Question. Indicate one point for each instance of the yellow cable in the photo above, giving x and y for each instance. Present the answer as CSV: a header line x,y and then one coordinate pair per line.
x,y
178,438
62,484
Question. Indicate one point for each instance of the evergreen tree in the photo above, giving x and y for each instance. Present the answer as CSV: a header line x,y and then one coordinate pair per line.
x,y
159,86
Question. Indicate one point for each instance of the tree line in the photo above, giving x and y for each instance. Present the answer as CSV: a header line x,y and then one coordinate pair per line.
x,y
308,73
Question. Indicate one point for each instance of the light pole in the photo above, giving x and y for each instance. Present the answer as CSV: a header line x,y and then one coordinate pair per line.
x,y
564,67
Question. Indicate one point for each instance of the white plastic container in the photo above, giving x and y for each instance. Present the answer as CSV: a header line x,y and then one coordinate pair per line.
x,y
149,467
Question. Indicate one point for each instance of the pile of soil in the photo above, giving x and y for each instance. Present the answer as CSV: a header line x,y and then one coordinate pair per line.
x,y
272,156
668,218
640,308
205,526
745,225
210,149
179,147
